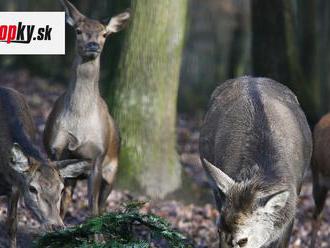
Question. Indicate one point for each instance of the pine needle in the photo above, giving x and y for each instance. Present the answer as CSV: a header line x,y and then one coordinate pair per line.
x,y
117,229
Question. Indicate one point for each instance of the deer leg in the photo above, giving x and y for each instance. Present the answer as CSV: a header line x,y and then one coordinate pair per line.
x,y
105,191
70,184
109,172
94,186
320,195
12,216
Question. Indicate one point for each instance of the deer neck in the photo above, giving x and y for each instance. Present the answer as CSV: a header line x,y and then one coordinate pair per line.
x,y
84,87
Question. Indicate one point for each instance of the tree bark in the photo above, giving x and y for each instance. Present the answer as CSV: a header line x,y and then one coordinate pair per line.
x,y
236,47
275,50
307,23
146,95
269,48
323,54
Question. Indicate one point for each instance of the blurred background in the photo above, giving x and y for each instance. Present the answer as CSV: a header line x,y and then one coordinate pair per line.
x,y
157,77
285,40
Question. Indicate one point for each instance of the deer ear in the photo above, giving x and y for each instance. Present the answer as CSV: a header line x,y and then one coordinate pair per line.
x,y
72,14
118,22
220,179
277,201
18,161
72,168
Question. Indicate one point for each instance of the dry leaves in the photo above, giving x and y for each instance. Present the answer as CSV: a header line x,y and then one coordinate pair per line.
x,y
195,219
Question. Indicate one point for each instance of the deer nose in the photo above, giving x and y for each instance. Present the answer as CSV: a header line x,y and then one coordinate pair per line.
x,y
242,242
53,227
56,227
92,46
55,223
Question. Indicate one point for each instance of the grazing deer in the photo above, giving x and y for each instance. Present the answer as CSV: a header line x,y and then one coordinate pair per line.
x,y
80,126
255,144
23,169
320,170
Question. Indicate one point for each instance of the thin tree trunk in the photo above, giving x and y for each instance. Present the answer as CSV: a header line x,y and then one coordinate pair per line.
x,y
275,50
236,49
323,57
146,95
269,47
307,22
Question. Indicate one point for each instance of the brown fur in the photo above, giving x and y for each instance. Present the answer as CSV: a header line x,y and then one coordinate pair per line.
x,y
321,154
320,170
17,127
255,144
80,126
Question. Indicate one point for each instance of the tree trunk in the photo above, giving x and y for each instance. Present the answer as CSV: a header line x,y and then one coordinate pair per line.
x,y
269,47
275,50
310,54
236,47
323,54
307,23
146,95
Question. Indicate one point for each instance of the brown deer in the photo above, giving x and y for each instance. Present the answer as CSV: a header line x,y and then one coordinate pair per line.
x,y
80,126
255,145
320,170
23,169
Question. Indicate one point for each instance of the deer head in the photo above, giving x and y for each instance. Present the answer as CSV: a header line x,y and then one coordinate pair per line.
x,y
41,184
91,34
253,214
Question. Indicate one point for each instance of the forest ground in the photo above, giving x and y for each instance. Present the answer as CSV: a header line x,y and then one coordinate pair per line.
x,y
195,216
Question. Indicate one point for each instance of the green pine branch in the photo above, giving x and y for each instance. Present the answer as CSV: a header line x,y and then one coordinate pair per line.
x,y
117,229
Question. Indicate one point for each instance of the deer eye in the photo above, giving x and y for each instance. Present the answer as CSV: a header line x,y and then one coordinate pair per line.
x,y
78,31
33,190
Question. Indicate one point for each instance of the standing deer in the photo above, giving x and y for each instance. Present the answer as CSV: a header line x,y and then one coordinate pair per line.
x,y
255,144
23,169
320,170
80,126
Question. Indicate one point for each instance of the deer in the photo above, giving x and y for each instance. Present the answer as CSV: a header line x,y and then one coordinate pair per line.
x,y
79,125
24,171
320,167
255,145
